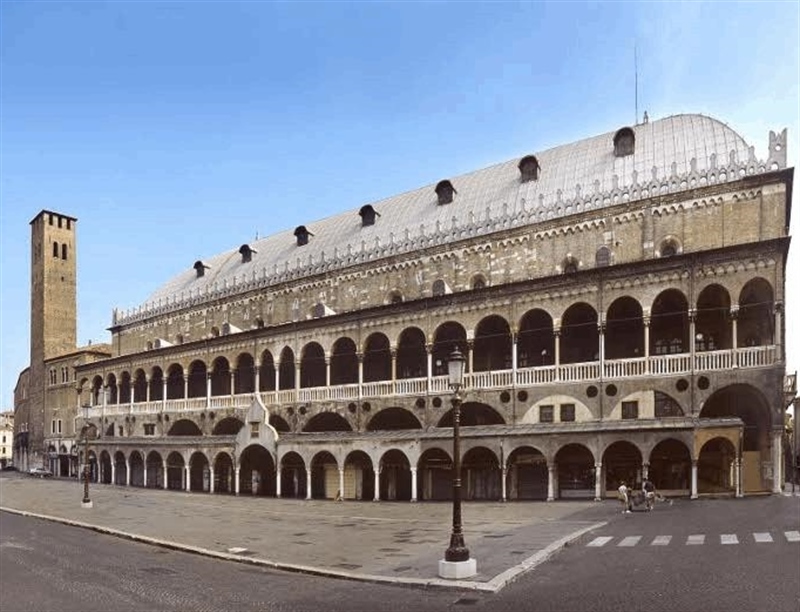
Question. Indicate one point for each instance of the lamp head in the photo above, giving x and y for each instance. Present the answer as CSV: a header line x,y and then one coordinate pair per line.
x,y
455,368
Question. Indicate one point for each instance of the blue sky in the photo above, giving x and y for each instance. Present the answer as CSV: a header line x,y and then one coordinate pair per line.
x,y
177,130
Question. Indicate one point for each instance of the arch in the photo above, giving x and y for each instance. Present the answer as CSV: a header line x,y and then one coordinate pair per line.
x,y
435,469
257,471
748,404
344,362
286,373
665,405
712,325
139,386
473,414
377,358
279,423
622,462
105,467
669,323
411,355
176,472
669,247
312,366
602,257
245,374
175,388
199,474
570,264
359,476
125,388
198,374
113,391
220,377
327,421
492,344
120,469
624,329
395,296
756,325
579,335
224,473
391,419
528,168
478,282
184,427
527,474
395,476
97,389
715,467
266,378
624,142
481,477
671,466
136,463
535,341
293,476
155,470
446,338
576,473
156,384
324,476
229,426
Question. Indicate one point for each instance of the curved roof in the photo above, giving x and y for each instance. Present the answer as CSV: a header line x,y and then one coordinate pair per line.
x,y
670,154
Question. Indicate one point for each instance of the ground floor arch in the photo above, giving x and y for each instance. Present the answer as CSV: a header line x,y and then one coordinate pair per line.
x,y
526,475
622,462
176,472
199,474
716,473
105,468
294,481
670,468
155,470
481,477
120,469
435,471
223,474
359,476
136,463
395,476
324,476
574,464
256,471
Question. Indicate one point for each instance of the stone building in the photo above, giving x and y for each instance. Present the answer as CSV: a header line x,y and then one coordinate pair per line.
x,y
619,300
6,438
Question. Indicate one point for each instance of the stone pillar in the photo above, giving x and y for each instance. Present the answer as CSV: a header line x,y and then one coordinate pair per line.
x,y
377,495
257,377
210,478
645,471
164,393
503,476
514,338
601,346
185,386
113,471
557,343
105,398
692,339
647,344
551,483
147,389
308,483
277,376
236,483
777,461
737,474
127,472
413,484
233,383
429,357
470,355
145,474
187,475
165,484
393,352
694,479
598,481
778,333
360,357
327,371
278,482
341,483
296,376
208,390
735,334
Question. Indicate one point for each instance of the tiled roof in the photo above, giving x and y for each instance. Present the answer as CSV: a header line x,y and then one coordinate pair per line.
x,y
671,154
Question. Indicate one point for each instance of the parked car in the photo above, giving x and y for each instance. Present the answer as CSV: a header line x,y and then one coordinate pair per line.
x,y
9,467
40,472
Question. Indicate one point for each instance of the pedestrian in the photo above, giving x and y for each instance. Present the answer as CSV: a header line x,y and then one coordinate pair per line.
x,y
624,498
649,492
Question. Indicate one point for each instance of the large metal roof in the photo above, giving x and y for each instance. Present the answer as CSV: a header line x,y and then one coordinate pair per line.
x,y
671,154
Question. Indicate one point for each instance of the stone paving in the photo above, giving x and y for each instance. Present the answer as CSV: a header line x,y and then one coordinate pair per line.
x,y
381,541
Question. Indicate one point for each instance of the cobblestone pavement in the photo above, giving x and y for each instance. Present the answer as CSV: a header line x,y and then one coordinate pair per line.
x,y
380,541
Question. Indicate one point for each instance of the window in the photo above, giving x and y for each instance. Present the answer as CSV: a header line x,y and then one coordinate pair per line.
x,y
545,414
53,426
63,251
479,282
444,192
59,222
50,219
630,410
567,413
246,253
669,248
603,257
53,376
55,249
528,168
149,429
665,406
438,287
58,422
624,142
253,430
395,297
570,265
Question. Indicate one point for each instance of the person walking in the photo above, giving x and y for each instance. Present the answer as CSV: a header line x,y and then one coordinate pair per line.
x,y
624,498
649,492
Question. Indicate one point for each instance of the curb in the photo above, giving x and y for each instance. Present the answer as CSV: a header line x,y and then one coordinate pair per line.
x,y
491,586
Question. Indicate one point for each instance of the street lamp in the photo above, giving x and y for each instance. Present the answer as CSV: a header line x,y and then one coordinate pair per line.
x,y
86,432
457,562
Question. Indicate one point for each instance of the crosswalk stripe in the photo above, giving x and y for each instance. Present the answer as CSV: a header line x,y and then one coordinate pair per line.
x,y
793,536
728,538
661,540
695,539
762,537
630,541
600,541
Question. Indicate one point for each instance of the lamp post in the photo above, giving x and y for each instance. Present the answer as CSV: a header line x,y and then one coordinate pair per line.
x,y
85,432
457,562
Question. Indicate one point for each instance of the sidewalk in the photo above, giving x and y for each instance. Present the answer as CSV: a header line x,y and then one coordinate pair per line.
x,y
397,542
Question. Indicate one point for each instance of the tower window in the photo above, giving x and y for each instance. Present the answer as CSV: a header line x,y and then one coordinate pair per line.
x,y
528,168
55,249
603,257
59,222
368,215
69,224
302,234
50,219
624,142
63,251
445,192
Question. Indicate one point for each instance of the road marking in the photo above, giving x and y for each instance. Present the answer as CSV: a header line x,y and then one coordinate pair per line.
x,y
236,550
762,537
695,539
728,538
630,541
793,536
661,541
601,541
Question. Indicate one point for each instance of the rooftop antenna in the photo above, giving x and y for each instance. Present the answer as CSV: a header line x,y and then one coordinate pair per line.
x,y
635,83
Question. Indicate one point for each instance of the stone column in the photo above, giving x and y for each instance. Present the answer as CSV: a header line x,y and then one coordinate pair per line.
x,y
308,483
341,483
164,393
277,376
257,377
105,398
647,344
278,482
503,476
360,357
233,383
598,481
236,483
208,390
737,474
692,339
113,471
187,475
145,474
429,358
413,484
393,352
470,355
551,483
777,461
694,479
601,346
127,472
185,386
327,371
165,484
377,495
514,338
147,389
210,478
735,334
778,333
645,471
297,372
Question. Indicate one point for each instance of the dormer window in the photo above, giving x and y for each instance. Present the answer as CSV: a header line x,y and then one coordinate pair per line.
x,y
200,268
445,192
669,248
368,215
624,142
246,252
528,169
570,265
302,234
